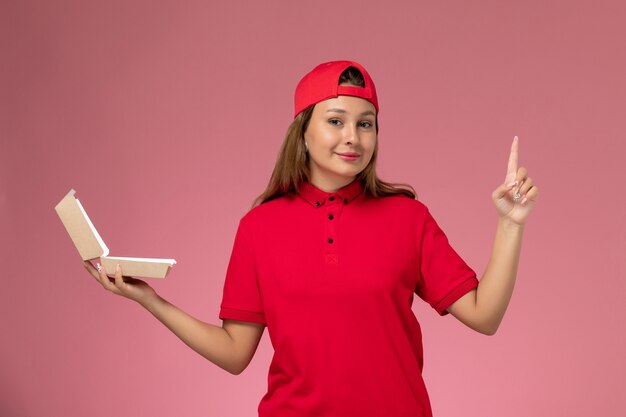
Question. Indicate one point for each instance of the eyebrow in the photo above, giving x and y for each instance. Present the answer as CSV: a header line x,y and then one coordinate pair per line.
x,y
365,113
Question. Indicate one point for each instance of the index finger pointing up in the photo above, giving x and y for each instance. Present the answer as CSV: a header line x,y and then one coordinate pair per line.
x,y
511,171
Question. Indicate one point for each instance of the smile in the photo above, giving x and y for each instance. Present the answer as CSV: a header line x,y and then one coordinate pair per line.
x,y
349,157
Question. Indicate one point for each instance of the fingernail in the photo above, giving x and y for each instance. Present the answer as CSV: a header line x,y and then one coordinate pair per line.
x,y
117,267
513,184
524,200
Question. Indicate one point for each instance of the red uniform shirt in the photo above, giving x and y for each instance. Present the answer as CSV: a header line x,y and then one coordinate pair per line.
x,y
333,275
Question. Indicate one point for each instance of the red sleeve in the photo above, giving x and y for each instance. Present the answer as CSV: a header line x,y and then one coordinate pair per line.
x,y
444,275
241,299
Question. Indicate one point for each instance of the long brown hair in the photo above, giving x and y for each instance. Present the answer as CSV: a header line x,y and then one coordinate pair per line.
x,y
292,165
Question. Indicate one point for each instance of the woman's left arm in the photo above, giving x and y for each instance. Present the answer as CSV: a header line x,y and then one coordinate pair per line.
x,y
483,308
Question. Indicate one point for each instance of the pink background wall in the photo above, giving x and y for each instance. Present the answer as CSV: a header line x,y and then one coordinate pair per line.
x,y
167,118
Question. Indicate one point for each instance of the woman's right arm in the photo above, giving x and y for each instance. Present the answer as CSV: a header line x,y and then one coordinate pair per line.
x,y
231,351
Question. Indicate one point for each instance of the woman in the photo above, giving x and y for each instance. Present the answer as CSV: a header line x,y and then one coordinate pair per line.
x,y
329,259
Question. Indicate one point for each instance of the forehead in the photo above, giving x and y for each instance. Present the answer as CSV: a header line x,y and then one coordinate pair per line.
x,y
350,104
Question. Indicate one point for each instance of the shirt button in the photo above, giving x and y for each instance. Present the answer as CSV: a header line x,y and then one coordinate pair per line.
x,y
345,200
330,240
317,204
331,198
330,217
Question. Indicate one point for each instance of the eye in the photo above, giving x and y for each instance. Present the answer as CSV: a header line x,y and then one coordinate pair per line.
x,y
366,124
332,122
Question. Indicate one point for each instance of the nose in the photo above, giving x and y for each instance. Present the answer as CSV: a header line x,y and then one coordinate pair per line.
x,y
352,134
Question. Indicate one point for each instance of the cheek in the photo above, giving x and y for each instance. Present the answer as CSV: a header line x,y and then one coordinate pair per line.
x,y
324,144
315,136
326,137
371,146
370,153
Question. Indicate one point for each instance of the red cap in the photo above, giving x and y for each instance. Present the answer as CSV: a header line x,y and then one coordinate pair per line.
x,y
322,83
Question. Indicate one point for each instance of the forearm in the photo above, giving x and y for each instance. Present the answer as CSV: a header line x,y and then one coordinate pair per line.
x,y
496,286
212,342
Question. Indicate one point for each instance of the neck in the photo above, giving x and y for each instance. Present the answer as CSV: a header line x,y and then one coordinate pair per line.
x,y
330,185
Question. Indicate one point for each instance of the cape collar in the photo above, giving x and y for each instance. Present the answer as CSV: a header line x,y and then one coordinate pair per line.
x,y
317,197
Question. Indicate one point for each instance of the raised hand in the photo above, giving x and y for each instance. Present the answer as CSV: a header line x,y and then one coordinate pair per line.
x,y
129,287
517,196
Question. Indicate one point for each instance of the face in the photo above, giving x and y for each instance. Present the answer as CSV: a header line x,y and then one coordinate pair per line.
x,y
341,125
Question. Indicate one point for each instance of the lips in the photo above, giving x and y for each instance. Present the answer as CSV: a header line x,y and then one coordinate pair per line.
x,y
351,154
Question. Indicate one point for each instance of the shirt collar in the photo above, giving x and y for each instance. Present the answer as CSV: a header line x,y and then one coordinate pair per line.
x,y
317,197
